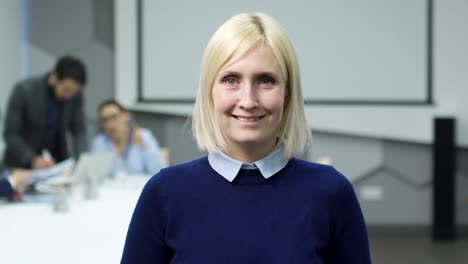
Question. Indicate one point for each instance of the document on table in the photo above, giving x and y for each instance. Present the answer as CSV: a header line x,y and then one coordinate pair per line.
x,y
60,169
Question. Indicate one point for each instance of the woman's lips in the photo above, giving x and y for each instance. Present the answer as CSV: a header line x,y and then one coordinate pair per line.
x,y
248,118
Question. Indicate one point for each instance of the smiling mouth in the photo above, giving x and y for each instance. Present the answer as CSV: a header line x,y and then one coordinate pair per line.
x,y
248,119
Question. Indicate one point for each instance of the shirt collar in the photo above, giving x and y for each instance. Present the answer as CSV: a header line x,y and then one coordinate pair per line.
x,y
229,167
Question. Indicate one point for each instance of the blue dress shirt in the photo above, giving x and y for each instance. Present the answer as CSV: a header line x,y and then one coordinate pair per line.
x,y
135,159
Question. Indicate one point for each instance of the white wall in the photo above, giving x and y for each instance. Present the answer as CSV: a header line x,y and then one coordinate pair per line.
x,y
10,56
361,40
451,61
125,26
411,123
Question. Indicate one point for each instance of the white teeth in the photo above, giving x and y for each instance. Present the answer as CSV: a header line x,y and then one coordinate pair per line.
x,y
248,119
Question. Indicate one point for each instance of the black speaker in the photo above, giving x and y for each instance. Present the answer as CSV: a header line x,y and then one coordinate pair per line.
x,y
443,165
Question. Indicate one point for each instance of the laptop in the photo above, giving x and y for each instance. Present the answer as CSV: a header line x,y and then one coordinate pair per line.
x,y
93,165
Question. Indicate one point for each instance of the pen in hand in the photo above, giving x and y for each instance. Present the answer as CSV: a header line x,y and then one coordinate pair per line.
x,y
47,157
43,160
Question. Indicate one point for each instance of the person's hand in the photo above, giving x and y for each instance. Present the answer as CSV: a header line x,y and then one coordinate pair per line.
x,y
21,178
41,162
138,138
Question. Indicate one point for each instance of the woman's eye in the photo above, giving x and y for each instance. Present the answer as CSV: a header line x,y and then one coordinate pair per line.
x,y
267,81
230,80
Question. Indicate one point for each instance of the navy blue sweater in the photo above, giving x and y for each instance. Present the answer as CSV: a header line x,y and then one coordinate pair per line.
x,y
306,213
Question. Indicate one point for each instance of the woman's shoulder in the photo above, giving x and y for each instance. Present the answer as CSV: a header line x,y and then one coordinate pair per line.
x,y
319,181
183,172
325,175
309,166
192,166
99,140
147,133
99,136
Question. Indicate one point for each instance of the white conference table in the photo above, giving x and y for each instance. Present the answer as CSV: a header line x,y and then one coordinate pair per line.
x,y
91,231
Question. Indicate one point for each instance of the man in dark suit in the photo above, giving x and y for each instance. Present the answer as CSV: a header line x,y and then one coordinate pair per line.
x,y
40,112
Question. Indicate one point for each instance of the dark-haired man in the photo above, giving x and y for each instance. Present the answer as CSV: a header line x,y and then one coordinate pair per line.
x,y
40,112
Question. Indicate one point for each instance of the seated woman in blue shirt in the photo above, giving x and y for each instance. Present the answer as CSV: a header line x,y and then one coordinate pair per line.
x,y
137,151
250,200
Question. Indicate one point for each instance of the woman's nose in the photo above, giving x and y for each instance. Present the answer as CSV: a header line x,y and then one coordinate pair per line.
x,y
249,97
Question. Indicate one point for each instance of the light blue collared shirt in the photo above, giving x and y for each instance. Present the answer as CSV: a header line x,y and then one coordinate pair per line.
x,y
229,167
136,159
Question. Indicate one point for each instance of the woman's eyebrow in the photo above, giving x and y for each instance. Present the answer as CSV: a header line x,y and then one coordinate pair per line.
x,y
254,75
229,72
266,73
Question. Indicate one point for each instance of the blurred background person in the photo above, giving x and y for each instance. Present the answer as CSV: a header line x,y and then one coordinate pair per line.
x,y
40,111
13,183
136,149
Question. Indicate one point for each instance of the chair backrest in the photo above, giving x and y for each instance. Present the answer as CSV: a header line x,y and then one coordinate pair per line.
x,y
165,156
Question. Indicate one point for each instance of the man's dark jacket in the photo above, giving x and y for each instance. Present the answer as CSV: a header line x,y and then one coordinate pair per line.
x,y
26,121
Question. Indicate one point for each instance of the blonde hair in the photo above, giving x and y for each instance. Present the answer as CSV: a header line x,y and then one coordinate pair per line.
x,y
232,40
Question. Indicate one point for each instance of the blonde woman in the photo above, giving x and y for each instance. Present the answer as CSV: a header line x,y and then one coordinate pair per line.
x,y
250,200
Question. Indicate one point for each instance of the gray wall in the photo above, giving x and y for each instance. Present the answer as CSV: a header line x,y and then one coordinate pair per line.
x,y
173,132
10,67
397,190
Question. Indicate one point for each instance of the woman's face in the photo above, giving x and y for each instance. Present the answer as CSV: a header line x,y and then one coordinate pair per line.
x,y
249,97
113,121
